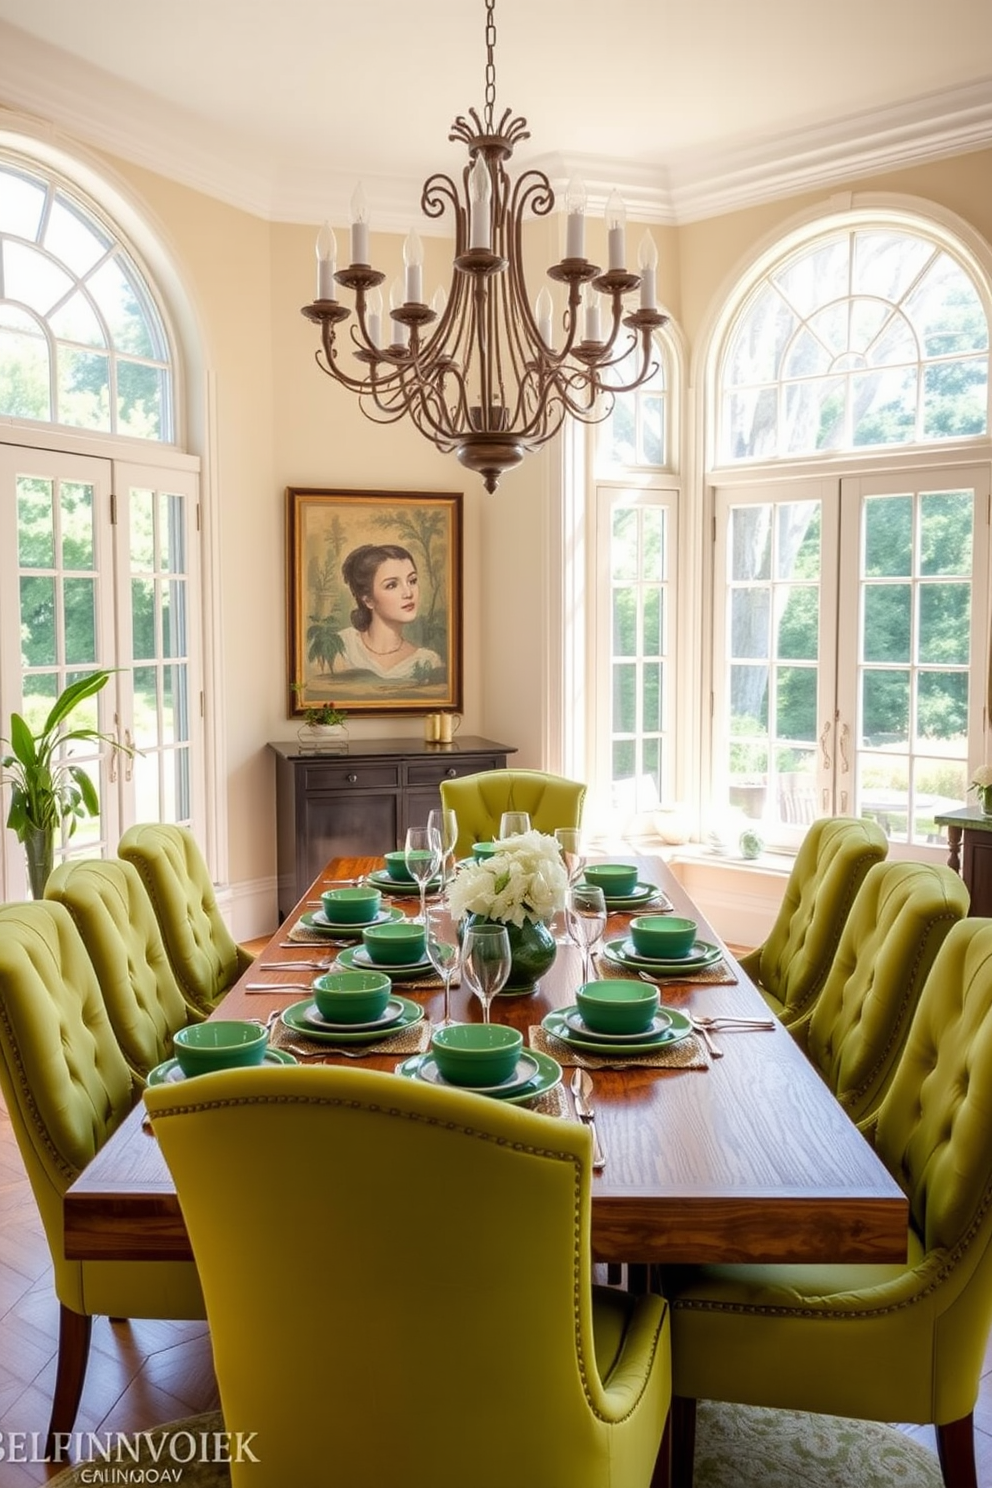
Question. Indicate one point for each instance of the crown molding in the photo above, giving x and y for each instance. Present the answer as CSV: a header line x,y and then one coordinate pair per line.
x,y
125,121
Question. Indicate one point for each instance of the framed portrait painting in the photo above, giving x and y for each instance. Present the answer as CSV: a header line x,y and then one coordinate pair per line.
x,y
375,600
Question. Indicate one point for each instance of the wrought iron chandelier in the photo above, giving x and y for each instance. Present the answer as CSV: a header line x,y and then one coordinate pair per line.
x,y
477,370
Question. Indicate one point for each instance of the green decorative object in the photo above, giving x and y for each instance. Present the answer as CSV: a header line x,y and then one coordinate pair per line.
x,y
985,799
532,952
751,845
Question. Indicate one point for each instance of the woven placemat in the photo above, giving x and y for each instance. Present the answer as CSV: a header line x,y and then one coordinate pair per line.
x,y
415,1039
688,1053
551,1103
716,975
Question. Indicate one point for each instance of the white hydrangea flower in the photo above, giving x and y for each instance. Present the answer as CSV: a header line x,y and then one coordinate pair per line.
x,y
982,777
524,880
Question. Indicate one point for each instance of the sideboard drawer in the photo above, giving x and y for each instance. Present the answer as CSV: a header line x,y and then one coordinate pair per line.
x,y
432,772
345,774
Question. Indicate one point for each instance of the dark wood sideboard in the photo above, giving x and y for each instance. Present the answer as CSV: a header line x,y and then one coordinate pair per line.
x,y
359,801
975,828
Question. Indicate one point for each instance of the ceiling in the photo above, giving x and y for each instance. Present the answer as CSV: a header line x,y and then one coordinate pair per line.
x,y
690,107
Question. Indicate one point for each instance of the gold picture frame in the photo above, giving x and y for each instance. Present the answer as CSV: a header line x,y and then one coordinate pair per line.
x,y
374,591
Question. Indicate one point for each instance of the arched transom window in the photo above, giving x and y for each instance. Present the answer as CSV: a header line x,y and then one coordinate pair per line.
x,y
81,341
872,337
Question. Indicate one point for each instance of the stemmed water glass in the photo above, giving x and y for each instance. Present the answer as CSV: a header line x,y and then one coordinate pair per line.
x,y
486,962
585,913
512,823
444,823
445,953
422,854
572,849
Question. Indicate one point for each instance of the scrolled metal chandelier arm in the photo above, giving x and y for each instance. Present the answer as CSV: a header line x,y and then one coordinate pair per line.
x,y
479,375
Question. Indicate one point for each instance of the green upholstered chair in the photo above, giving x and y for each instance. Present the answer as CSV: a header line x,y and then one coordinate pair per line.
x,y
436,1325
479,801
860,1021
114,916
204,956
791,966
900,1342
67,1088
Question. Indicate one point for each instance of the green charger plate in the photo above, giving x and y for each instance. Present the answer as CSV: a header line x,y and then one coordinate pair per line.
x,y
617,951
679,1029
294,1017
323,926
170,1073
384,880
406,969
547,1077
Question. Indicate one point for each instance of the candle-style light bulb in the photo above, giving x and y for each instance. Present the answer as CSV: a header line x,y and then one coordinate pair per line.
x,y
401,333
647,258
575,207
480,195
544,308
413,258
327,253
373,316
616,223
439,302
590,307
359,226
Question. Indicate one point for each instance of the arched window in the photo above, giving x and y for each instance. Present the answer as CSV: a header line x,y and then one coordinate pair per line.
x,y
81,340
99,531
851,531
864,338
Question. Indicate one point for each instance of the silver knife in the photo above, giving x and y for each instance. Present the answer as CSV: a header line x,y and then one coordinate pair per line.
x,y
581,1088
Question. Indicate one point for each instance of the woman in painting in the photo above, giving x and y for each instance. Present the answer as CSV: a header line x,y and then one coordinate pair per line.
x,y
383,580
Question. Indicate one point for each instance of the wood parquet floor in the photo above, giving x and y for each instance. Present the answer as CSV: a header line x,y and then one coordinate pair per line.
x,y
144,1372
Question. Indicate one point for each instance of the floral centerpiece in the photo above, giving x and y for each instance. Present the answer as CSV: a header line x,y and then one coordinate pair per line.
x,y
522,886
981,784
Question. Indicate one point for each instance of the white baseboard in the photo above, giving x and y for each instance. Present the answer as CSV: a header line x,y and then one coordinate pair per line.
x,y
250,909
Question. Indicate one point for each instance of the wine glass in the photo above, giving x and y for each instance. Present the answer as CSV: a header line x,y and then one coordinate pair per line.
x,y
585,913
445,953
512,823
486,962
422,854
572,849
444,823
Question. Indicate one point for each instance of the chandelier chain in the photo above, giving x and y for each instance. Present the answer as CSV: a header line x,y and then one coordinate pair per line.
x,y
490,63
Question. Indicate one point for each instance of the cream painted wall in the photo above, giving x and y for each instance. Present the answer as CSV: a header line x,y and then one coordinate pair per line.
x,y
277,421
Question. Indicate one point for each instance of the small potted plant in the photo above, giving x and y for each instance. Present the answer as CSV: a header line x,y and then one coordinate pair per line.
x,y
323,724
47,791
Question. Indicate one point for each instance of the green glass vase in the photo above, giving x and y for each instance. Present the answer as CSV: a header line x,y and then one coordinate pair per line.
x,y
985,799
532,953
39,849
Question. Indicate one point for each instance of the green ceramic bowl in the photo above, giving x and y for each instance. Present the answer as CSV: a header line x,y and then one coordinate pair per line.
x,y
613,878
483,850
396,865
398,943
351,996
617,1006
351,906
203,1047
475,1054
666,937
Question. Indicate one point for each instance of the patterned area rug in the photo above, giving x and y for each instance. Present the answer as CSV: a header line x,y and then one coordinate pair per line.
x,y
737,1446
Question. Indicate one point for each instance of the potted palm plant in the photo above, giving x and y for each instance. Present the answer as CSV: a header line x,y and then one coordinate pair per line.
x,y
47,791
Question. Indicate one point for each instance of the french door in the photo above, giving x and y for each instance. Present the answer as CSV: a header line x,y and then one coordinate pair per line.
x,y
99,567
851,636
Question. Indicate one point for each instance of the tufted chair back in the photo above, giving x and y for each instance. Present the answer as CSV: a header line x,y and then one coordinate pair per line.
x,y
860,1020
114,916
67,1087
479,801
372,1167
204,956
791,966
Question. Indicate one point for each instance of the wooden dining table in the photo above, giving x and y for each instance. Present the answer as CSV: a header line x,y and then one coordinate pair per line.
x,y
747,1158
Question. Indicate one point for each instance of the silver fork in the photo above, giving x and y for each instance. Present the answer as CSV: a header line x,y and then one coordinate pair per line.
x,y
299,1053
